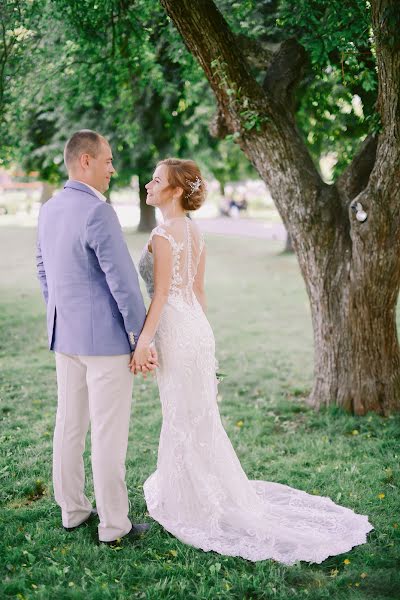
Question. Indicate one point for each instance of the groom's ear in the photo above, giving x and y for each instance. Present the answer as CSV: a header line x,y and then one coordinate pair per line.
x,y
84,160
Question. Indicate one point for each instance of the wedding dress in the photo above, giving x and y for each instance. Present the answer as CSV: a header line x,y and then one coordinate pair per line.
x,y
199,492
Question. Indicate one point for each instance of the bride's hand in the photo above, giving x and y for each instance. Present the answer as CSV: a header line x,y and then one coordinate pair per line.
x,y
144,358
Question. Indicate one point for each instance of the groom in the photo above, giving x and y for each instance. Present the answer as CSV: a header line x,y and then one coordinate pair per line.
x,y
95,313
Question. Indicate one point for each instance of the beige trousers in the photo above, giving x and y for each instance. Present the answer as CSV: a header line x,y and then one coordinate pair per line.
x,y
95,390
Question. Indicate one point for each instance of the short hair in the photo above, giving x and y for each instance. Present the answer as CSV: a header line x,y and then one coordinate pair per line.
x,y
81,142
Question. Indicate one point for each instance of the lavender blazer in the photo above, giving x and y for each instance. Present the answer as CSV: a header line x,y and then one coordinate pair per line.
x,y
88,280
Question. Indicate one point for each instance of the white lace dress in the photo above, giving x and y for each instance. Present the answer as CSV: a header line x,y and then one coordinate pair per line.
x,y
199,492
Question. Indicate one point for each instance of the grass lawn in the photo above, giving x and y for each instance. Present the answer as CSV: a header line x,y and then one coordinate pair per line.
x,y
259,311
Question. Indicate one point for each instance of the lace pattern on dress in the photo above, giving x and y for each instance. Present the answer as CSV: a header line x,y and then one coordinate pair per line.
x,y
186,255
199,492
176,279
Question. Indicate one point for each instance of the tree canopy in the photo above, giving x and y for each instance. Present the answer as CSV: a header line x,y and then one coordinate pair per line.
x,y
122,68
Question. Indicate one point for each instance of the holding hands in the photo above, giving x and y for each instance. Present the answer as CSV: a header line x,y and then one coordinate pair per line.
x,y
144,359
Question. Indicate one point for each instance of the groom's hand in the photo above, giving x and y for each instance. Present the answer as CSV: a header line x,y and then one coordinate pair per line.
x,y
151,364
144,359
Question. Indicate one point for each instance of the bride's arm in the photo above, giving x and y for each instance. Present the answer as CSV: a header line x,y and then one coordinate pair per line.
x,y
198,284
162,254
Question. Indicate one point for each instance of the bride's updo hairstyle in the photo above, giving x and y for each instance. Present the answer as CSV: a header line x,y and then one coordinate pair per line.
x,y
186,175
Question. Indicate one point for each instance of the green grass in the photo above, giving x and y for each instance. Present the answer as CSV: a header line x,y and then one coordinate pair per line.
x,y
259,312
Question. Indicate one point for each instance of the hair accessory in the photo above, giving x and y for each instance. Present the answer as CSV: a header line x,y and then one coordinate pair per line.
x,y
194,186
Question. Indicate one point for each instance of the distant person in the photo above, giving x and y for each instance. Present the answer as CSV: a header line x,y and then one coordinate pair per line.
x,y
199,491
224,207
95,313
233,208
242,203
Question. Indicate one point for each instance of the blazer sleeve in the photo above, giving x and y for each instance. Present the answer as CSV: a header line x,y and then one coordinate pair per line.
x,y
105,238
40,270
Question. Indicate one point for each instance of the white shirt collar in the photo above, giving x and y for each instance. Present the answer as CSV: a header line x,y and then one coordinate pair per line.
x,y
98,194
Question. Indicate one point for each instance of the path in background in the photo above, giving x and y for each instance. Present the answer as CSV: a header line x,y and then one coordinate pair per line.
x,y
243,227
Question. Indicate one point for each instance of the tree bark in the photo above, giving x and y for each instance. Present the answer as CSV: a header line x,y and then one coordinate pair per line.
x,y
147,213
351,269
221,183
47,191
288,245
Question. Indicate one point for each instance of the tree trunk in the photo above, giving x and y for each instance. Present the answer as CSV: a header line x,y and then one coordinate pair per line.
x,y
356,361
351,267
47,191
147,213
288,245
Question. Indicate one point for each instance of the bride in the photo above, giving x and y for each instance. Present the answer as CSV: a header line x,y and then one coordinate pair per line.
x,y
199,492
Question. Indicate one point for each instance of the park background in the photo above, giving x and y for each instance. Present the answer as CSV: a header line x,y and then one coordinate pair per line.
x,y
120,67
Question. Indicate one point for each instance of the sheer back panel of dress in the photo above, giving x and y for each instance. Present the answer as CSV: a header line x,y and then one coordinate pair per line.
x,y
187,245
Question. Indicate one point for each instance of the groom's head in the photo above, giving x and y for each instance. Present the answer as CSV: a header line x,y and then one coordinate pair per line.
x,y
88,158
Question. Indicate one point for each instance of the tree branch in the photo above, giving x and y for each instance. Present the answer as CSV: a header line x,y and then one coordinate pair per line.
x,y
386,23
260,118
285,71
258,55
385,176
218,127
356,176
208,37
